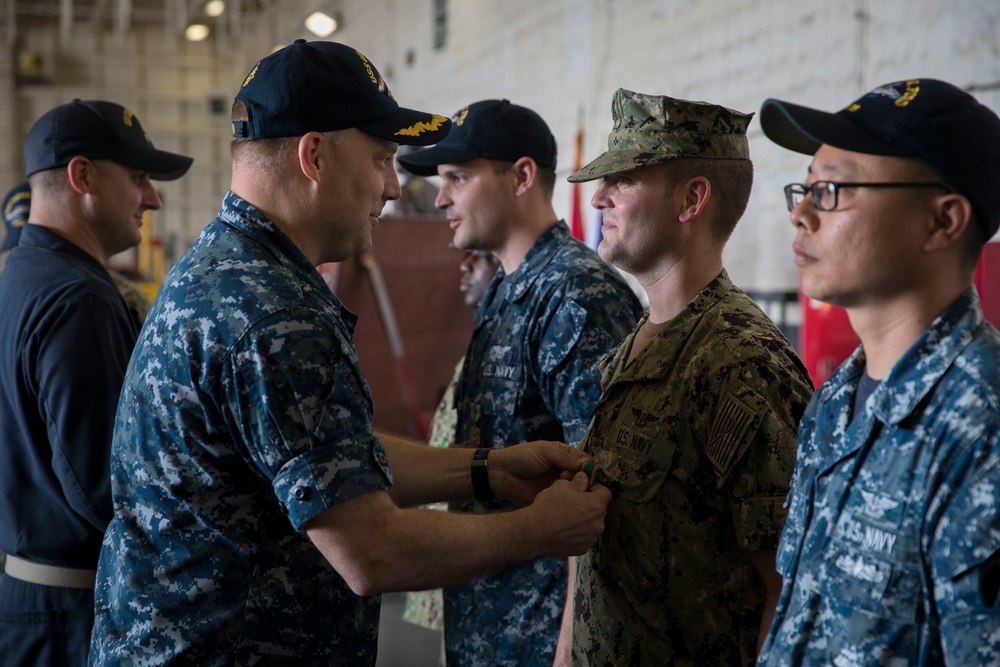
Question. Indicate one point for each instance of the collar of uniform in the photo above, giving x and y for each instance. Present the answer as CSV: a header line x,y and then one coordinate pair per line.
x,y
542,251
834,397
244,217
844,379
36,236
919,370
241,215
658,357
612,365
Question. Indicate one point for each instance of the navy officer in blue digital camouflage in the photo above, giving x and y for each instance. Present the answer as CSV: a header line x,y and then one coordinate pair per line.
x,y
257,517
530,371
891,551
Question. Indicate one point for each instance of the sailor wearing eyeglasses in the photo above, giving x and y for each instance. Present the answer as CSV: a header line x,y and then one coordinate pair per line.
x,y
891,551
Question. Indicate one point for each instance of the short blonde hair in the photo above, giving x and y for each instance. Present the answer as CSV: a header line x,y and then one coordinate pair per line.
x,y
731,179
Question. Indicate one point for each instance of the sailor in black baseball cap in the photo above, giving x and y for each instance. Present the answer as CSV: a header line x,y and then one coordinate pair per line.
x,y
66,335
249,419
890,553
552,298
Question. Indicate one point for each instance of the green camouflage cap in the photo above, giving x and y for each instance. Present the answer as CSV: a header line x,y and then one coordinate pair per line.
x,y
650,129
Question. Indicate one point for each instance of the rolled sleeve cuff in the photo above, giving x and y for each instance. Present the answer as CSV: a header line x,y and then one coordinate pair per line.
x,y
326,476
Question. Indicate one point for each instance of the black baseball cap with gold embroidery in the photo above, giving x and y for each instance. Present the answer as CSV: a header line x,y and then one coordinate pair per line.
x,y
326,86
98,130
491,129
935,122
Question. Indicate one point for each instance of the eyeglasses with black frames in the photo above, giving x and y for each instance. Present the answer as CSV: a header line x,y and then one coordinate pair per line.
x,y
824,193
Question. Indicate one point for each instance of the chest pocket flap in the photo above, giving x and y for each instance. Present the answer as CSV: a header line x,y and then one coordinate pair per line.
x,y
633,546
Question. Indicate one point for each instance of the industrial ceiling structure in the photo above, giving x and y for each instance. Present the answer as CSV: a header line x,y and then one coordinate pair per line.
x,y
223,19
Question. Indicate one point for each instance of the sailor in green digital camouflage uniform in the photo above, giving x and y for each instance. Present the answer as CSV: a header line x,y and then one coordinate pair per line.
x,y
695,430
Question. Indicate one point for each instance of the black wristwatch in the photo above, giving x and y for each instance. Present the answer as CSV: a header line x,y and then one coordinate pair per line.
x,y
481,475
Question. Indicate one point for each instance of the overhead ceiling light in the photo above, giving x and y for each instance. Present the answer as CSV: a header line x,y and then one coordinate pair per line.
x,y
196,32
320,24
215,8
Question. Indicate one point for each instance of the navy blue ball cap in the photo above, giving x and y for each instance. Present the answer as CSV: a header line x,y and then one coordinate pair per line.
x,y
97,130
941,125
491,129
16,206
323,87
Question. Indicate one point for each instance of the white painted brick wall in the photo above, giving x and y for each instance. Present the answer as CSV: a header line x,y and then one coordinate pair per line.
x,y
561,58
163,80
558,56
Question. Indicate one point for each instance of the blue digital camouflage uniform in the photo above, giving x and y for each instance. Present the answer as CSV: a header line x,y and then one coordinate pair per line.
x,y
426,608
889,555
531,374
696,438
244,414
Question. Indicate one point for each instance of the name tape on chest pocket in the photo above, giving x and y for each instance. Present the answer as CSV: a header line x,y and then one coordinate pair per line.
x,y
634,440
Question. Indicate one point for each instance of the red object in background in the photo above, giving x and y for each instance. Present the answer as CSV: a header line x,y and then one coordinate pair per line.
x,y
576,210
827,338
987,281
420,273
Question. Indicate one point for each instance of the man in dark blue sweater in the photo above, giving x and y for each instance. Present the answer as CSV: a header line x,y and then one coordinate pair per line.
x,y
66,336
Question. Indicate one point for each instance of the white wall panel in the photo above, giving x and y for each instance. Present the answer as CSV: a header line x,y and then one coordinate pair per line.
x,y
564,58
561,56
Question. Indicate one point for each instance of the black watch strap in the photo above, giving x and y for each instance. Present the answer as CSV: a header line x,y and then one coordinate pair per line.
x,y
481,475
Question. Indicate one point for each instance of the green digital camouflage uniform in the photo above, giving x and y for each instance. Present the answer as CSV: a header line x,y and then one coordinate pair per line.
x,y
697,441
696,438
133,295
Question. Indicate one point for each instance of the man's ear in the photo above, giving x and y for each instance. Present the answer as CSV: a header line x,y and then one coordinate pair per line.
x,y
697,192
81,172
525,172
310,156
951,215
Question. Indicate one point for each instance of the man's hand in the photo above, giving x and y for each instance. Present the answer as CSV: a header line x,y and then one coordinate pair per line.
x,y
569,516
520,472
